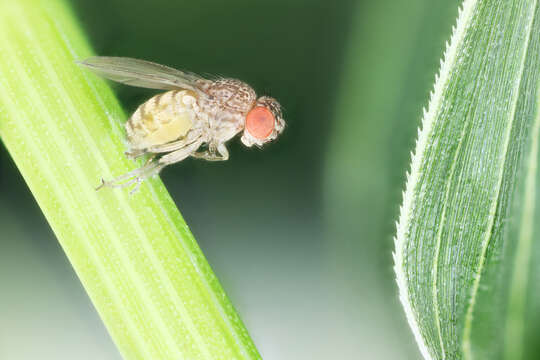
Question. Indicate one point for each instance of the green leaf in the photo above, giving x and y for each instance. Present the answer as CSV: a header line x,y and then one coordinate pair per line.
x,y
135,256
467,253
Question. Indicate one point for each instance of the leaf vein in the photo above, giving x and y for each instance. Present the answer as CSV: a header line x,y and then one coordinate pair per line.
x,y
467,350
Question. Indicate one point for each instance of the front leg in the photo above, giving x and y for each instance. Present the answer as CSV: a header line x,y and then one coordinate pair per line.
x,y
219,153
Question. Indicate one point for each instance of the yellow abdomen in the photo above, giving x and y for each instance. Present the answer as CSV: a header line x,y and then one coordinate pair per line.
x,y
163,118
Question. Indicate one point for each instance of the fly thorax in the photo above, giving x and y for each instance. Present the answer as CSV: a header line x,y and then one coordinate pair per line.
x,y
230,95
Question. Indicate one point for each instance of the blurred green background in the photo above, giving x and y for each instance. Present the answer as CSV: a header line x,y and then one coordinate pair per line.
x,y
300,232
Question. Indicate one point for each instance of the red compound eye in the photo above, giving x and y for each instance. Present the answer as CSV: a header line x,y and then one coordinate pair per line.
x,y
260,122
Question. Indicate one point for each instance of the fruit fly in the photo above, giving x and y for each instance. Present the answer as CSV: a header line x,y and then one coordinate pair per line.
x,y
195,117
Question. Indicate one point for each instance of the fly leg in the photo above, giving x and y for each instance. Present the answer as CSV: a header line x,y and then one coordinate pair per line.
x,y
136,176
135,153
180,154
168,147
153,166
219,153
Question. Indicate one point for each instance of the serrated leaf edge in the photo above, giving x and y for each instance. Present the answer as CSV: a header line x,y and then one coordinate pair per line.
x,y
441,80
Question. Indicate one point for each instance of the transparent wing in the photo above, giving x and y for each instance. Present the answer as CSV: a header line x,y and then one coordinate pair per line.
x,y
142,73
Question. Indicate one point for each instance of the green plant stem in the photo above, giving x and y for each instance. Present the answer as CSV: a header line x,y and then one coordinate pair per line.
x,y
135,256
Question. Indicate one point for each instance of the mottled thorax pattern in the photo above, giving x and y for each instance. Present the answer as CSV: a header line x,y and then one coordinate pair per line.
x,y
228,97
